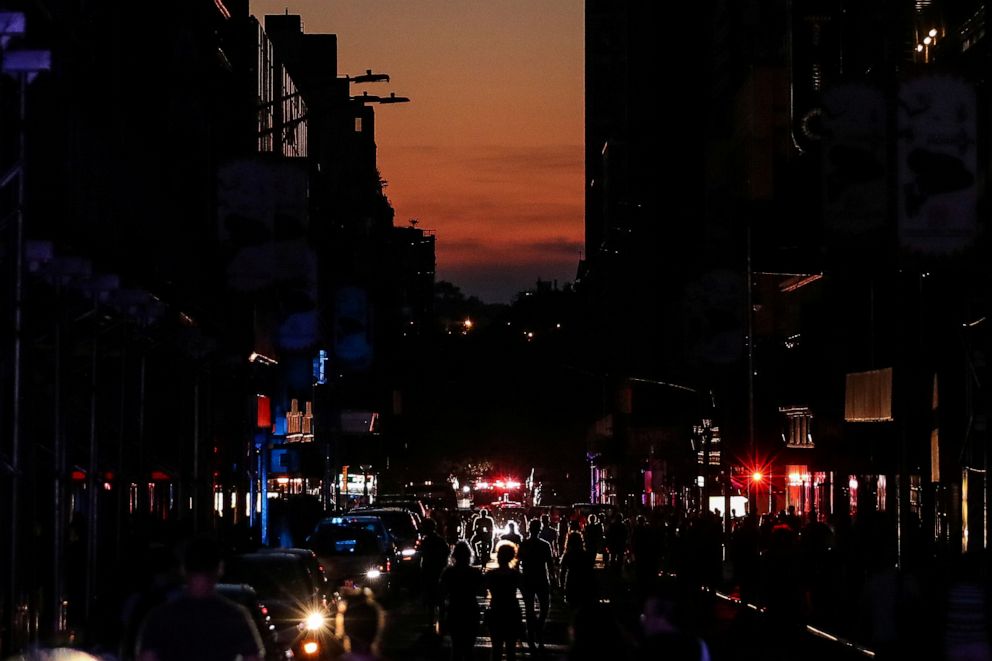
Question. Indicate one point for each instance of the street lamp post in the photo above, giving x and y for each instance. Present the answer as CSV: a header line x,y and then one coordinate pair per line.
x,y
99,287
368,77
365,97
61,272
24,65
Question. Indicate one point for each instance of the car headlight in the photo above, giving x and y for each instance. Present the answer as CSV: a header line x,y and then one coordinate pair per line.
x,y
311,647
408,553
314,621
373,574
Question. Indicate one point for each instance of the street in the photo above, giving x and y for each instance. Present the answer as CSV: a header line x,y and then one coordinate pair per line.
x,y
730,630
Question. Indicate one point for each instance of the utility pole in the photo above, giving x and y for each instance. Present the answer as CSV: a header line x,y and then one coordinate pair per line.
x,y
24,65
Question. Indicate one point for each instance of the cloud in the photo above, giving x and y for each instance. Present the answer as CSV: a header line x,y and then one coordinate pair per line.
x,y
504,215
464,211
552,245
417,149
534,158
561,245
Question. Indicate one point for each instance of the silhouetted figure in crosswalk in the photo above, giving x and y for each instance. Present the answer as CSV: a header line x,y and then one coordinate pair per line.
x,y
592,534
577,575
460,584
503,615
537,566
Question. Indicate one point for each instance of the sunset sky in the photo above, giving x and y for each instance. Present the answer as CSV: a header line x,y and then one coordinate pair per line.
x,y
490,151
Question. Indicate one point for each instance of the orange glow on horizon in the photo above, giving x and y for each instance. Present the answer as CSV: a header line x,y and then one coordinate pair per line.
x,y
489,153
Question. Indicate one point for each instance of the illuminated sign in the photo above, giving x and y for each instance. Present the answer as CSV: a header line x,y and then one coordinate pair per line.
x,y
299,424
320,368
356,484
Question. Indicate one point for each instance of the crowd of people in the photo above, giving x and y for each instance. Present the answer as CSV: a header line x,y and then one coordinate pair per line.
x,y
630,587
560,556
854,577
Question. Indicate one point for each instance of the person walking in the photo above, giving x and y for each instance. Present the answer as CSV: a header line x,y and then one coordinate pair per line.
x,y
199,624
434,553
503,614
483,530
592,535
460,584
563,530
537,566
360,625
577,575
511,535
616,542
549,534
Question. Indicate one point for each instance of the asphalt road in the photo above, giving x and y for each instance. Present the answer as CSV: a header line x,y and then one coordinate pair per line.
x,y
730,630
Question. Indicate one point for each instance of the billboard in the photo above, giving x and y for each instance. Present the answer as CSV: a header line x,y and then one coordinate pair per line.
x,y
854,159
262,212
937,163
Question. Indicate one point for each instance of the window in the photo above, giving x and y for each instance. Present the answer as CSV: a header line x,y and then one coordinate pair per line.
x,y
798,431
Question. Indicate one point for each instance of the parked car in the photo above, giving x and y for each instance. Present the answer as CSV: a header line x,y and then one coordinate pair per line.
x,y
371,522
283,582
312,563
414,505
244,594
404,528
353,556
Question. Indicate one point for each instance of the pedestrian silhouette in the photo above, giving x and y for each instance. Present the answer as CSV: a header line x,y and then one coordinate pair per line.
x,y
483,529
198,623
616,542
593,536
503,614
577,575
645,551
511,534
434,553
537,567
162,580
564,528
460,584
549,534
359,623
